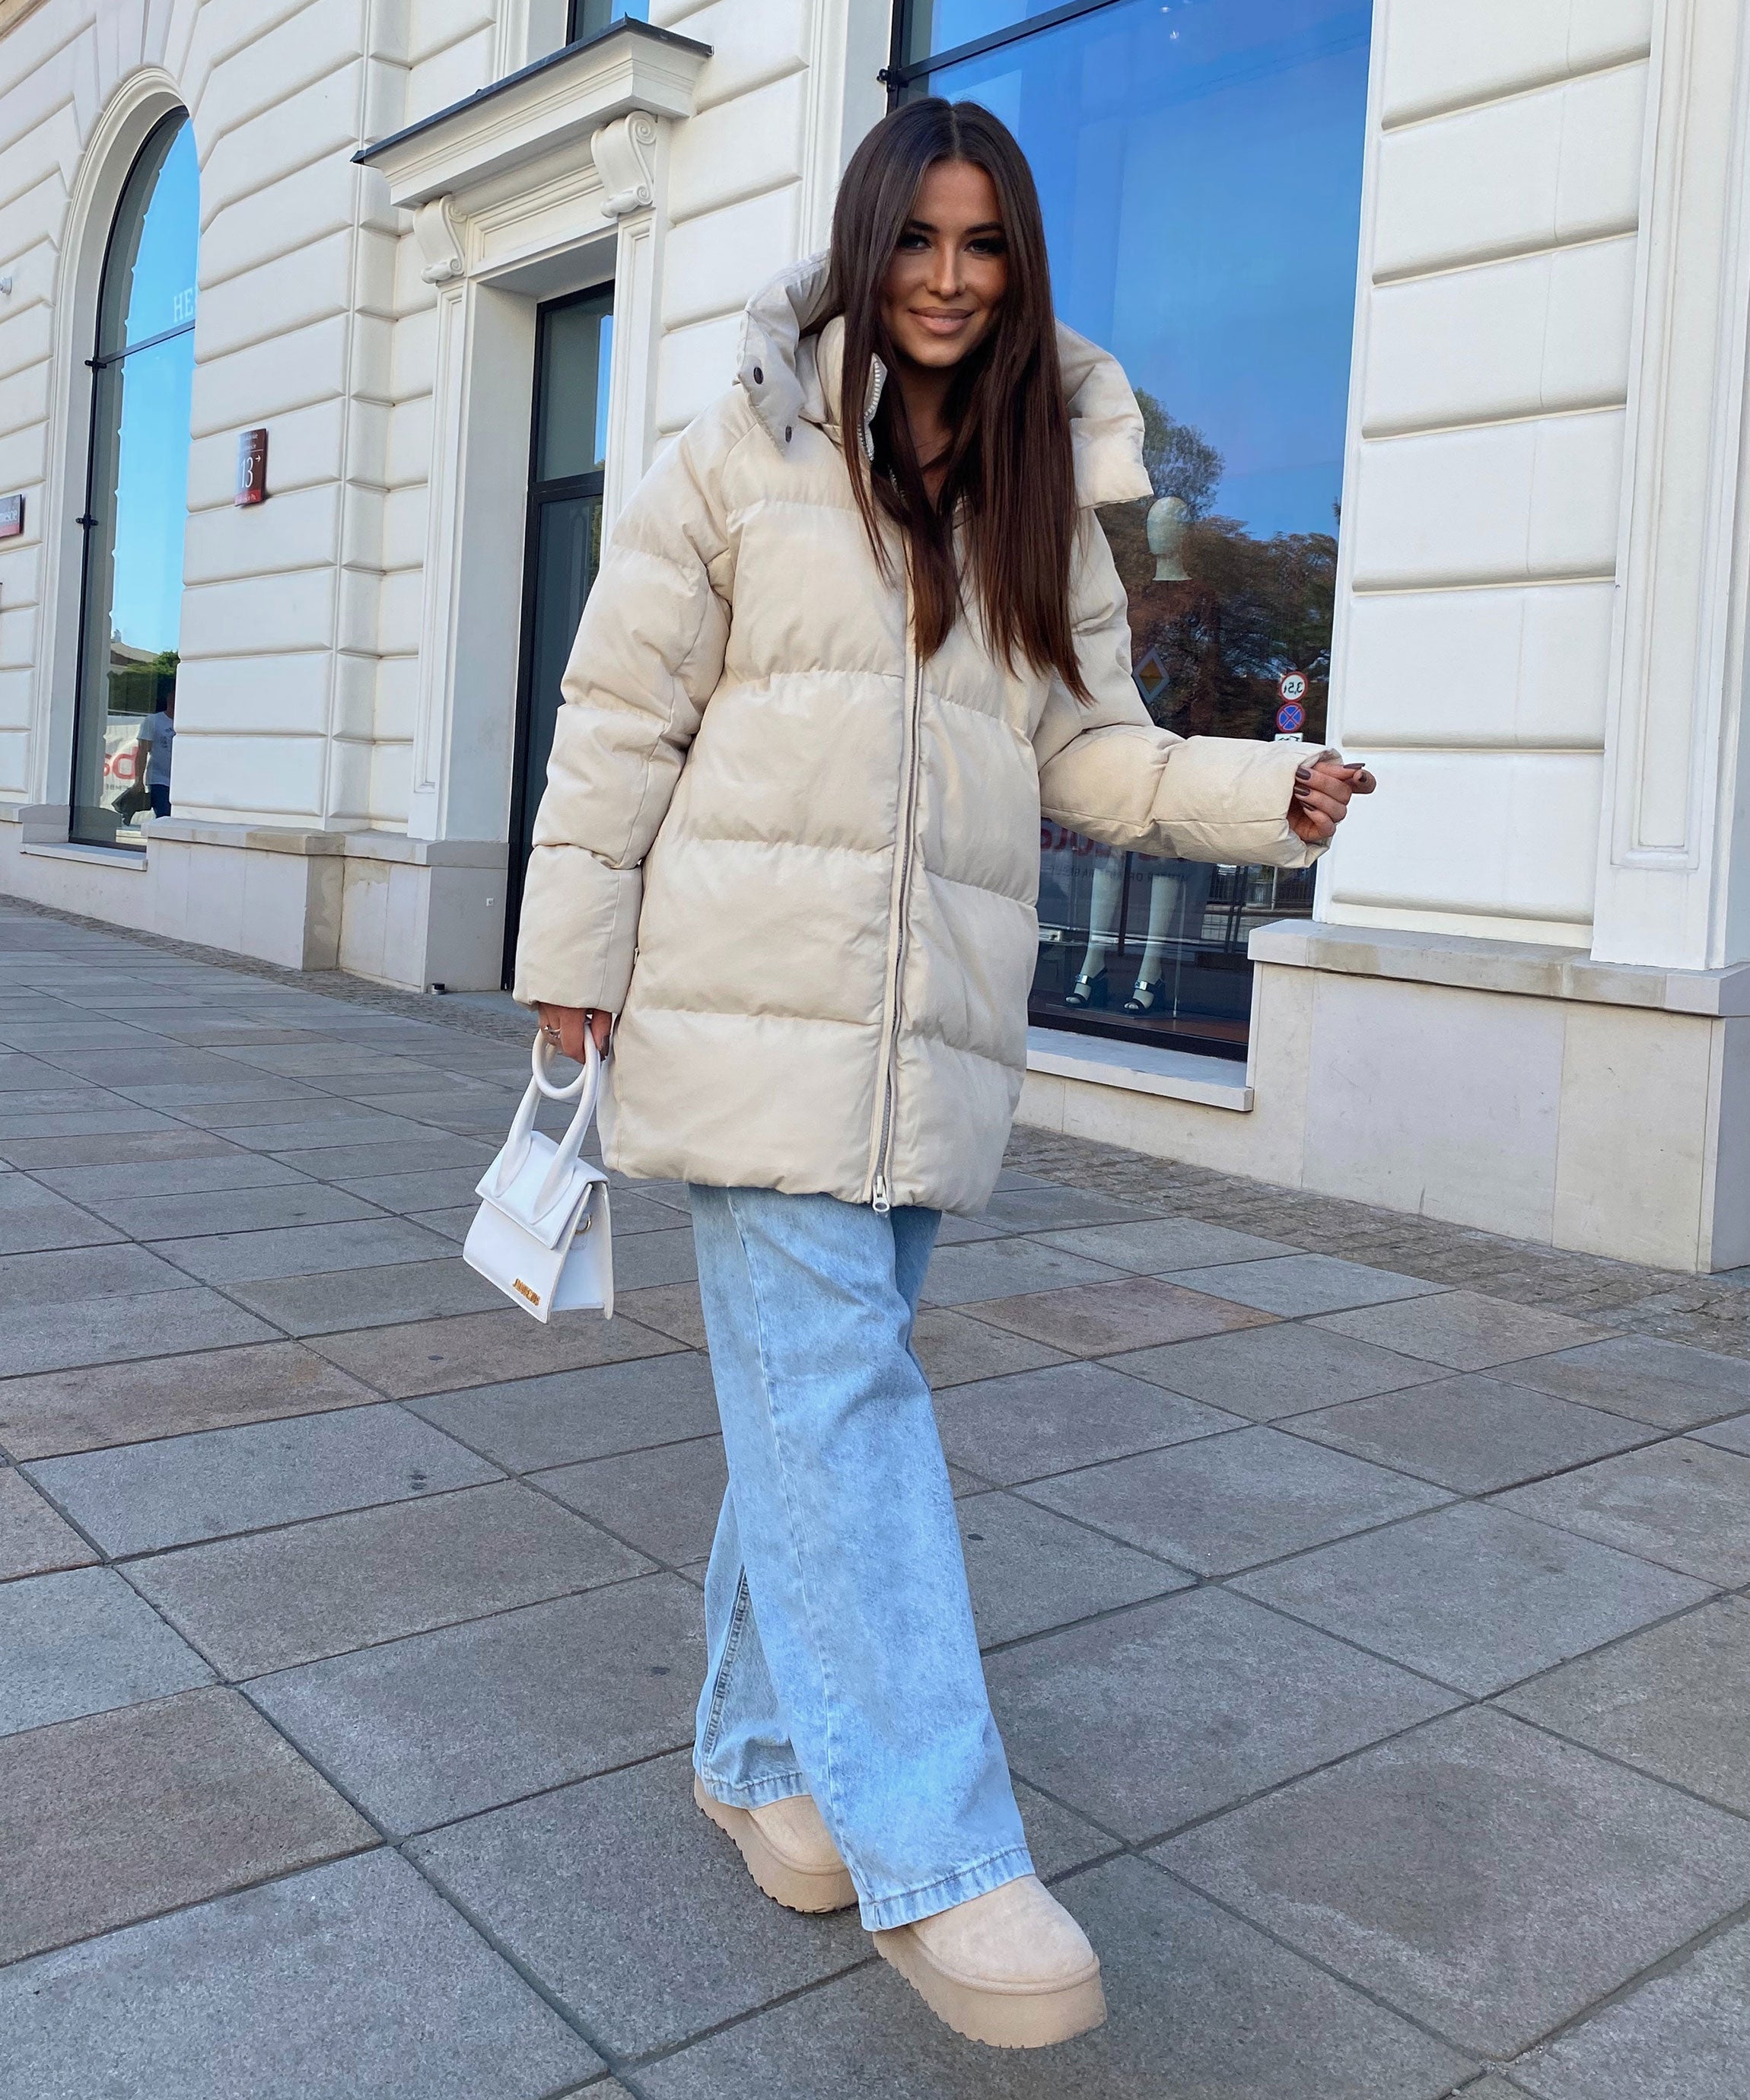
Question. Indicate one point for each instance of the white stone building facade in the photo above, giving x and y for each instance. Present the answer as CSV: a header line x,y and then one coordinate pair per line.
x,y
1520,996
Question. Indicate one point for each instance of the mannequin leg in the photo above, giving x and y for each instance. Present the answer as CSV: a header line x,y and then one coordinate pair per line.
x,y
1107,894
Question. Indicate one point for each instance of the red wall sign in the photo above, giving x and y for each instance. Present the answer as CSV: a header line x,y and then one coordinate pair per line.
x,y
12,517
251,468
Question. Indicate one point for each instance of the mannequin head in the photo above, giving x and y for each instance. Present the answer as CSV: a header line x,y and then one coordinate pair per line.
x,y
1168,518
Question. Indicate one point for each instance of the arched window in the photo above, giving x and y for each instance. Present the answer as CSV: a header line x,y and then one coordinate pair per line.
x,y
137,495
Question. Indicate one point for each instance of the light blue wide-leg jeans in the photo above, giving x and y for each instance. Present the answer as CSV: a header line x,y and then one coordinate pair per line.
x,y
842,1658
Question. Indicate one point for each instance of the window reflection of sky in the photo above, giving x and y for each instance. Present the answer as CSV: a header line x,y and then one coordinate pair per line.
x,y
152,489
151,494
162,294
1200,168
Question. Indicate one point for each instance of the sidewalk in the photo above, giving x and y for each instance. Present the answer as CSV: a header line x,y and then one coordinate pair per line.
x,y
1365,1601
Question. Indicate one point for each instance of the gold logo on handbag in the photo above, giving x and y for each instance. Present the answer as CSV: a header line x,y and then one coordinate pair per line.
x,y
542,1233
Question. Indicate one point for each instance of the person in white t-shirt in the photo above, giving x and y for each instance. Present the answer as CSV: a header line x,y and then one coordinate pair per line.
x,y
157,735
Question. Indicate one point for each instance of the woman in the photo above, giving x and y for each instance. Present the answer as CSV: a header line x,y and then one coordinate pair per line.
x,y
856,631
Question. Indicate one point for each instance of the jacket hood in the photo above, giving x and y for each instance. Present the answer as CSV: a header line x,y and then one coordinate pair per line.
x,y
790,374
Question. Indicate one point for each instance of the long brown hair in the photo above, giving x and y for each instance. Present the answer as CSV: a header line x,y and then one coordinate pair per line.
x,y
1010,471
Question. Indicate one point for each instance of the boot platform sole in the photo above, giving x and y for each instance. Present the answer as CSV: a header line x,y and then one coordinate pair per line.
x,y
1015,2018
796,1888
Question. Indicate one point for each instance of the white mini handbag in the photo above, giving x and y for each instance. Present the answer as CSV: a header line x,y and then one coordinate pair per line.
x,y
542,1232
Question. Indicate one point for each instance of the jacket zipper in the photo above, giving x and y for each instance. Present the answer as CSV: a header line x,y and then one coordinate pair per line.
x,y
880,1197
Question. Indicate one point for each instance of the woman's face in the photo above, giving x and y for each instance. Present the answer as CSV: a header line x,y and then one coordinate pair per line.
x,y
950,272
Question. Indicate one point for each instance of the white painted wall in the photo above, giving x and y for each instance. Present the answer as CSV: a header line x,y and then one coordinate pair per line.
x,y
1482,506
303,619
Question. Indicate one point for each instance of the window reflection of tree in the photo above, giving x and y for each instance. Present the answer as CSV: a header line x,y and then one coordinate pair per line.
x,y
1211,648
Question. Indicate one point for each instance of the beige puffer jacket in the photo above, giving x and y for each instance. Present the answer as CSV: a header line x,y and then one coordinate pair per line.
x,y
801,866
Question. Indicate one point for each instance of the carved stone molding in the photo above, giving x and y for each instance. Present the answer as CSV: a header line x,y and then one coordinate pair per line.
x,y
440,241
624,152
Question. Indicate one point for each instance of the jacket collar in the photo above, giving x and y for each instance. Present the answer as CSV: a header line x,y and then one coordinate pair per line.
x,y
790,371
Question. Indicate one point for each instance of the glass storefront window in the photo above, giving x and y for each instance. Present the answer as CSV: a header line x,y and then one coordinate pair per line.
x,y
136,495
589,18
562,544
1199,164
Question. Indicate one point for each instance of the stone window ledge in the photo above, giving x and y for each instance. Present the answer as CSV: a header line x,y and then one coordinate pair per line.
x,y
1525,969
1178,1075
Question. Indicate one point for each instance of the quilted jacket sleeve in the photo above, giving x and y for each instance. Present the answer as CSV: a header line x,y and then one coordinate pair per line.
x,y
1108,773
649,654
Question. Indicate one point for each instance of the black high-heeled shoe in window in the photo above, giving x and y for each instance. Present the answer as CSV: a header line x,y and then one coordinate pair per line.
x,y
1146,997
1088,990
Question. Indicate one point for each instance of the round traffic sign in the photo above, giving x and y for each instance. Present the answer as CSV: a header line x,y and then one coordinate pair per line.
x,y
1289,717
1292,687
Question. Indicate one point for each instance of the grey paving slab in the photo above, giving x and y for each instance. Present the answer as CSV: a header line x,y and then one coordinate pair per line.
x,y
663,1502
642,1260
137,1497
1662,1383
1686,2033
422,1731
84,1122
1059,1839
1035,1422
961,1232
1732,1435
352,1978
1683,1504
270,1106
1156,1247
1153,1717
388,1294
70,1275
368,1241
1463,1330
453,1225
444,1356
34,1221
186,1220
120,1152
333,1584
432,1188
670,1308
81,1643
1004,1268
1674,1701
1472,1433
1227,1503
570,1415
1476,1874
953,1348
229,1169
1296,1284
1041,1206
1266,1373
548,1878
81,1410
1200,2005
1101,1319
1473,1594
120,1815
1030,1571
300,1133
33,1540
355,1162
110,1330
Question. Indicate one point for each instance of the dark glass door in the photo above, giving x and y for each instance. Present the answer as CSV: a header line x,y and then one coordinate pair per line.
x,y
562,544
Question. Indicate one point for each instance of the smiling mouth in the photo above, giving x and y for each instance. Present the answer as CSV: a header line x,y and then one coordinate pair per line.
x,y
943,321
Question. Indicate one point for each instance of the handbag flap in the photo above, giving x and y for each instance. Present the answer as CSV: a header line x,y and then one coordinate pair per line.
x,y
517,1199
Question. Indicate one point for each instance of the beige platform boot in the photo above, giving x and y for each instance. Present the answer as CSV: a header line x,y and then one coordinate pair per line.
x,y
787,1849
1011,1968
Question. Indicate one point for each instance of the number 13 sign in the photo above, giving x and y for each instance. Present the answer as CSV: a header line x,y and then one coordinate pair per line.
x,y
251,468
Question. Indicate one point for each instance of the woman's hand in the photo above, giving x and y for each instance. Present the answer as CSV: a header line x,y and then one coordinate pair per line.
x,y
1320,800
563,1027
